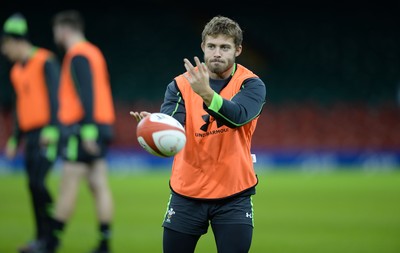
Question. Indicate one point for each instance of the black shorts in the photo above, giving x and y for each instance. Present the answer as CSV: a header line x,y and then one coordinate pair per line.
x,y
71,144
192,216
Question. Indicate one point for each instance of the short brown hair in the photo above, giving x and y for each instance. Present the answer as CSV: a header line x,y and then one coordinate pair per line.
x,y
71,18
225,26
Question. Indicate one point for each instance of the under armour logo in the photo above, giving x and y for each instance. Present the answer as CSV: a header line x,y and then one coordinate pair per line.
x,y
249,215
207,119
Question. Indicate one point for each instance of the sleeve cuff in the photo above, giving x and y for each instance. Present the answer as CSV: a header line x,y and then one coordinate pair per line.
x,y
216,102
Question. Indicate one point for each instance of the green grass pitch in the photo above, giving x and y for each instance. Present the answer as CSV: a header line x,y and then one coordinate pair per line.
x,y
295,212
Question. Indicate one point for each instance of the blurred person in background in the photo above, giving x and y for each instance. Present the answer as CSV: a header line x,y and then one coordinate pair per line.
x,y
87,116
35,78
213,179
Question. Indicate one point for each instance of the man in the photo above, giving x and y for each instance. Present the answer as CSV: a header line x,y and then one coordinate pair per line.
x,y
87,113
212,180
35,78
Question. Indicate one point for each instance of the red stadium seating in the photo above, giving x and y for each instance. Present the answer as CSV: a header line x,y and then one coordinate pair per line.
x,y
290,126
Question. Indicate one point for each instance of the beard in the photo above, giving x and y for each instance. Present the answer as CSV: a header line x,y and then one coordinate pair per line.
x,y
218,67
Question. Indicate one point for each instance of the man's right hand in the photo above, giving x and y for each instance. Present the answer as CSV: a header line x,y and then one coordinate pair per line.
x,y
91,147
139,115
11,148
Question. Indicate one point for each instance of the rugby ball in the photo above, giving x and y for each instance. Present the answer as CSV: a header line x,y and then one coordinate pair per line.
x,y
161,135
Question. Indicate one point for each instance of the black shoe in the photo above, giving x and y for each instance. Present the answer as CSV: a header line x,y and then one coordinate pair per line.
x,y
33,247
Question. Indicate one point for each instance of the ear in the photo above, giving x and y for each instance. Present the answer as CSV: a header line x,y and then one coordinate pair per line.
x,y
202,46
238,50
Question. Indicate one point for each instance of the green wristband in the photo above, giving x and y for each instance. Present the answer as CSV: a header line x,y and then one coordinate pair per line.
x,y
51,133
216,102
89,132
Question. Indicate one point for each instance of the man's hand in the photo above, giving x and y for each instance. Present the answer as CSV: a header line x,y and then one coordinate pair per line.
x,y
139,115
199,79
89,134
91,147
10,152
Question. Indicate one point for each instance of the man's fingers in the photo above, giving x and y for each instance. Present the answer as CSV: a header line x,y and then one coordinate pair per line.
x,y
139,115
198,64
136,115
186,67
187,76
133,114
195,74
188,63
189,68
204,68
144,114
197,61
